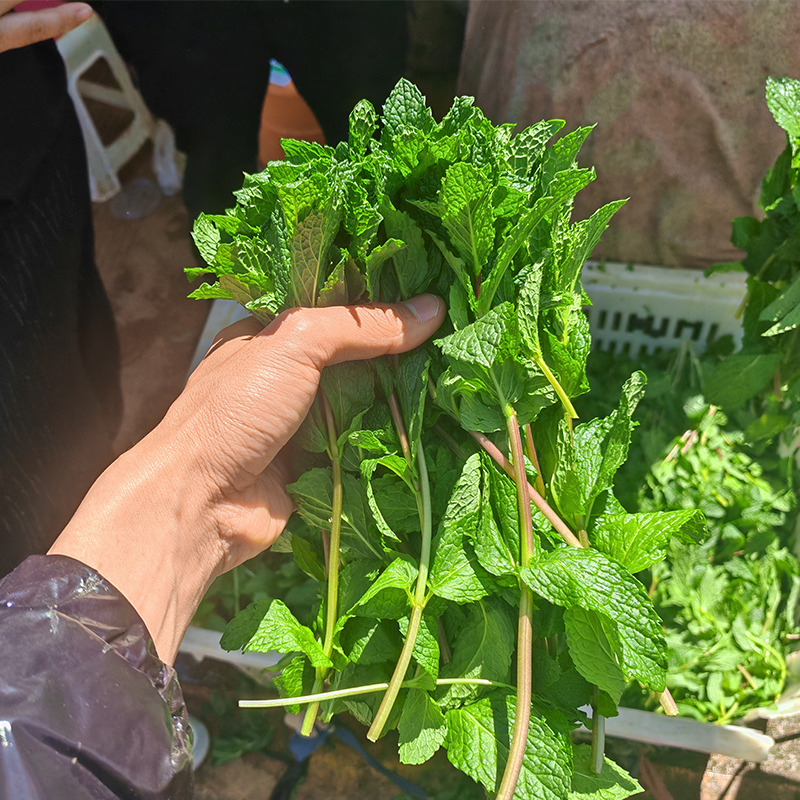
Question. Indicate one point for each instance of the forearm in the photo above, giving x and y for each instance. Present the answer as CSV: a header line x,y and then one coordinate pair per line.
x,y
145,527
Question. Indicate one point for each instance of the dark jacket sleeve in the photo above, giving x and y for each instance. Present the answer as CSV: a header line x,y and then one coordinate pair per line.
x,y
87,710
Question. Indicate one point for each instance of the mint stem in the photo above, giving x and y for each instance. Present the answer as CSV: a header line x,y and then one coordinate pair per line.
x,y
668,703
354,691
559,389
332,605
560,526
539,482
522,712
418,603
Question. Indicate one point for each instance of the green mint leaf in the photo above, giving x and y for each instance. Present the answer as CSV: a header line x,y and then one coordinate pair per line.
x,y
300,197
422,728
783,100
405,108
334,290
577,577
392,503
528,147
309,246
458,266
589,458
369,641
467,214
496,540
589,639
477,743
487,341
388,596
426,645
206,238
784,310
375,263
269,625
739,377
207,291
613,783
482,649
296,680
307,559
363,123
455,574
584,236
313,495
637,541
411,387
350,389
367,440
410,262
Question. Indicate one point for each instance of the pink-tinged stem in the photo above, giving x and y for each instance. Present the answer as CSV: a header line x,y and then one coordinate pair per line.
x,y
560,526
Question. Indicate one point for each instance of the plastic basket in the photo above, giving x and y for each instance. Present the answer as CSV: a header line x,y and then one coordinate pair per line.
x,y
638,309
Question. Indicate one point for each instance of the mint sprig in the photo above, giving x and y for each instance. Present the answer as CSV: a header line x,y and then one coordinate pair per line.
x,y
471,556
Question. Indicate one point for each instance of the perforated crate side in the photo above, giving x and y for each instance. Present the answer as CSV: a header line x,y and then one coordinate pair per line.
x,y
640,309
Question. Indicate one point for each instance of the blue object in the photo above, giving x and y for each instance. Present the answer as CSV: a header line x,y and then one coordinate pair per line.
x,y
278,74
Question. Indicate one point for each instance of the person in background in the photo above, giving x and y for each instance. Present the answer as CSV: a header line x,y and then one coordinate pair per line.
x,y
203,65
89,704
60,397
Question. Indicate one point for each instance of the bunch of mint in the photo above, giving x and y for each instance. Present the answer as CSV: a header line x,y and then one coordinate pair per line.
x,y
476,572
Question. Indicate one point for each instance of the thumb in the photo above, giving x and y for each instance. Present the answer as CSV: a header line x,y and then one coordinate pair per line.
x,y
329,336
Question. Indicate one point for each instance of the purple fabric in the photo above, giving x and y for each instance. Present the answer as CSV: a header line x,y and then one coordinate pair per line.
x,y
87,710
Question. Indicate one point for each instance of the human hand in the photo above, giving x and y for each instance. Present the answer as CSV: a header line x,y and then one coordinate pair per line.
x,y
28,27
205,490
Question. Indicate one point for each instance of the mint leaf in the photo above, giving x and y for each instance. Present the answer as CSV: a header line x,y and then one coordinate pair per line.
x,y
589,638
589,457
739,377
613,783
411,262
422,728
363,123
577,577
312,493
388,596
482,649
369,641
309,246
296,680
426,645
496,541
405,108
477,743
637,541
269,625
375,263
783,100
454,574
467,214
784,310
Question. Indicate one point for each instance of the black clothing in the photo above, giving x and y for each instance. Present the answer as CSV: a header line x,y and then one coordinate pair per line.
x,y
60,397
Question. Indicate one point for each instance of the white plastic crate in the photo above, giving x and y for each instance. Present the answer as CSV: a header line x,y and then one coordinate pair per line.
x,y
638,309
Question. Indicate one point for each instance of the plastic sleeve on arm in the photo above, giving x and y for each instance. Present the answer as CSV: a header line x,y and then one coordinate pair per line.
x,y
87,710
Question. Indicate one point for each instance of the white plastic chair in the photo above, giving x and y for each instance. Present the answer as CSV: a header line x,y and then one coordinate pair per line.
x,y
80,49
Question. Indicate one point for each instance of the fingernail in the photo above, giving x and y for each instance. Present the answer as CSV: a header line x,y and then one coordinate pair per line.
x,y
424,306
83,13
